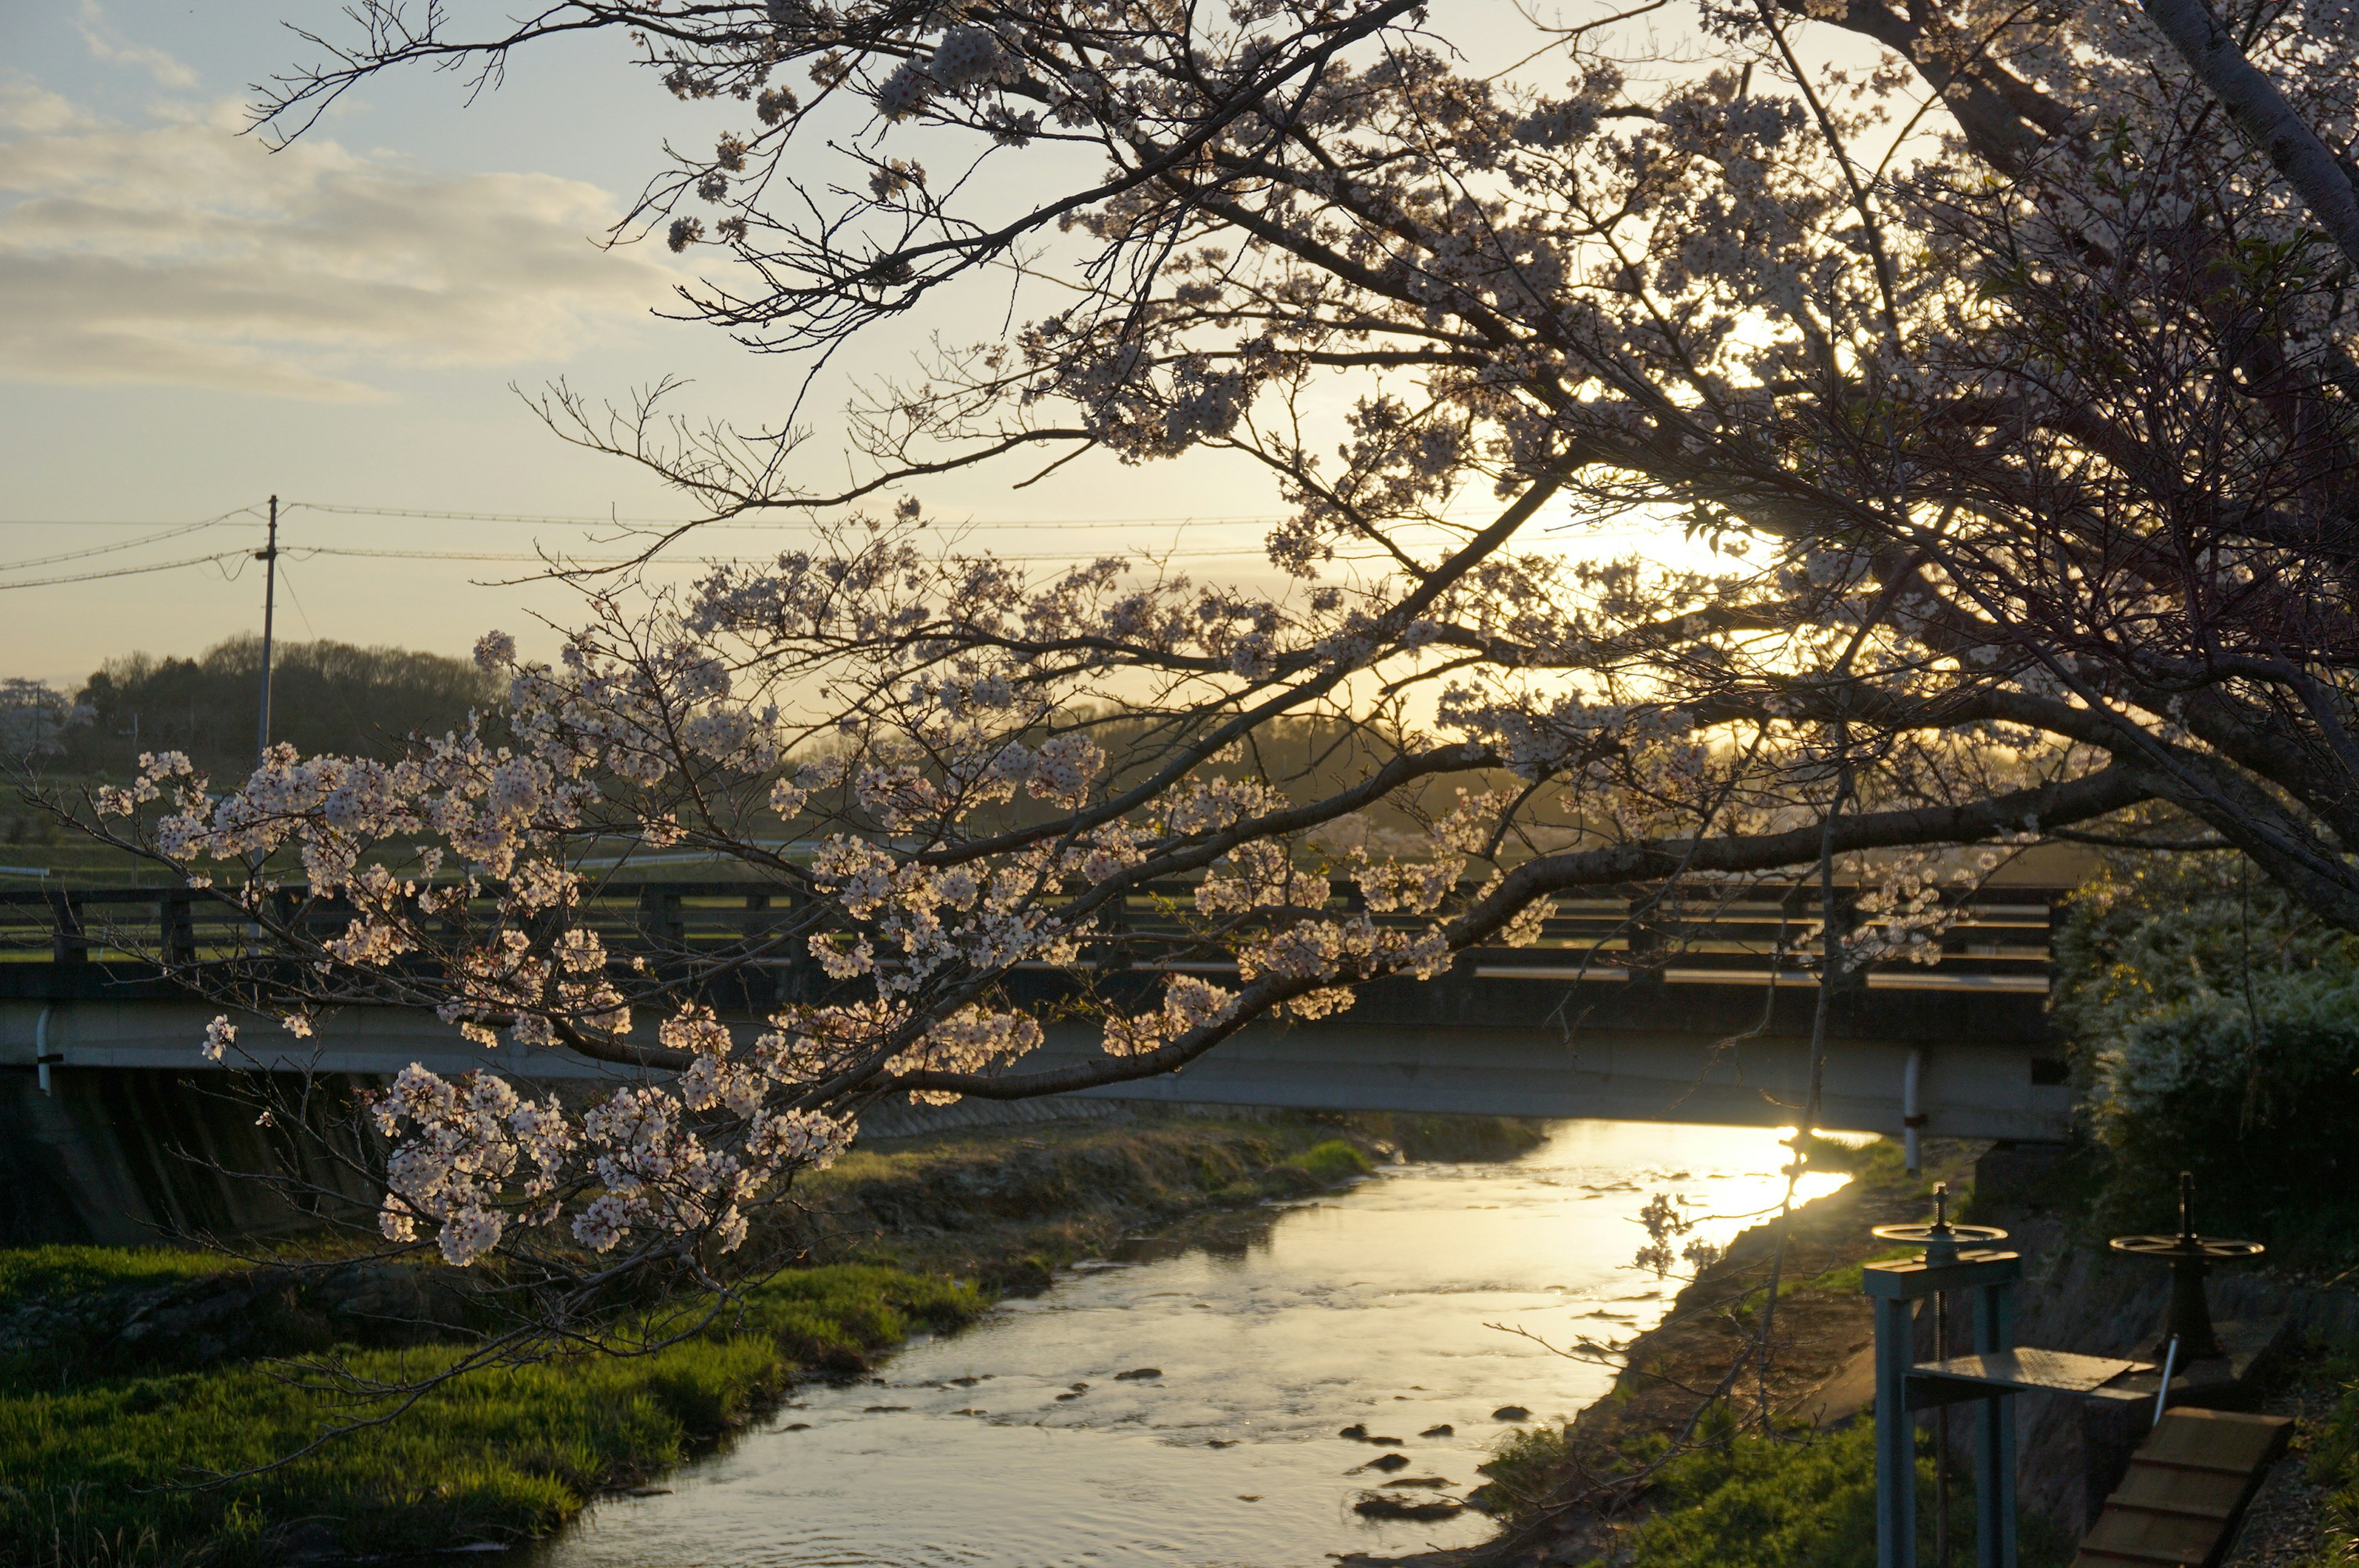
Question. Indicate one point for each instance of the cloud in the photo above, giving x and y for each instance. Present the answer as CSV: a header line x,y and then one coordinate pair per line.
x,y
105,43
177,252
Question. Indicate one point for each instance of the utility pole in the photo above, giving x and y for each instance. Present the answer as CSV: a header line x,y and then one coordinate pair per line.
x,y
268,556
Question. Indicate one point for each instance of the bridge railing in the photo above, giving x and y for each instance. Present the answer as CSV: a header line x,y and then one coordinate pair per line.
x,y
1992,937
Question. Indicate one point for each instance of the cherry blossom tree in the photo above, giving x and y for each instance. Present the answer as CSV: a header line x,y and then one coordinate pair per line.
x,y
2009,381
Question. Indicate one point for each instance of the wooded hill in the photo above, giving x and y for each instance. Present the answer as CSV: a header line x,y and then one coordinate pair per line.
x,y
325,697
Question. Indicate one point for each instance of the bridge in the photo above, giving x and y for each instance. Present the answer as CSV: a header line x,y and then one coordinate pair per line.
x,y
1629,1008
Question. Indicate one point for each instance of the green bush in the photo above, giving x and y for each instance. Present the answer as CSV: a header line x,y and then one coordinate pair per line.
x,y
2215,1029
1330,1163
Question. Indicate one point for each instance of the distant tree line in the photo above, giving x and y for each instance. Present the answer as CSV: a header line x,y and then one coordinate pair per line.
x,y
325,697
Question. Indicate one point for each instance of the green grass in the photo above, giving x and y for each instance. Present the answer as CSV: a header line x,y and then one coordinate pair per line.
x,y
1332,1161
100,1459
104,1471
27,1271
1799,1500
1876,1157
2333,1466
1759,1503
1847,1279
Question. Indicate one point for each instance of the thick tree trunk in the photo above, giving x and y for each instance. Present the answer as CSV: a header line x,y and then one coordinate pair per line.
x,y
2262,113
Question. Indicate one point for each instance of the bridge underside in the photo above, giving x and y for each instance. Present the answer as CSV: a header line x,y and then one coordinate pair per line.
x,y
1965,1091
98,1154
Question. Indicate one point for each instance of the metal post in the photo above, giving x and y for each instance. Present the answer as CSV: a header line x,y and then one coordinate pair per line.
x,y
1945,1264
1940,1433
1895,1435
68,943
1912,1111
1643,942
43,1057
176,918
1995,1438
268,556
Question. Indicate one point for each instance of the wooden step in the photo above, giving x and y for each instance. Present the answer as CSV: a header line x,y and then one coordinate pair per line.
x,y
2187,1489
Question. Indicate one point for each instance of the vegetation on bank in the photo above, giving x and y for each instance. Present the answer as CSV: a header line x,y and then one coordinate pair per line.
x,y
1797,1499
109,1415
107,1464
2214,1028
2332,1465
1329,1162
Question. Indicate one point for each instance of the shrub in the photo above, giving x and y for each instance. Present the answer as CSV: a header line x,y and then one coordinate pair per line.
x,y
2215,1029
1332,1161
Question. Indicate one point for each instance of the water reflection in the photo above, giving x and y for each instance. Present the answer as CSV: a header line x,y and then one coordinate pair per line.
x,y
1179,1403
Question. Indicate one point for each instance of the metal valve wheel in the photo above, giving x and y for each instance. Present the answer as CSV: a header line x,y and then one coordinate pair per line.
x,y
2190,1258
1941,1241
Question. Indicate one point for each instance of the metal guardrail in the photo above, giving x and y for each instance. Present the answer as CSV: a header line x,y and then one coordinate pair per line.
x,y
1999,938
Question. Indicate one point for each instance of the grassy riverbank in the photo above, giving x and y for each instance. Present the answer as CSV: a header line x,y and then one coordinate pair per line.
x,y
99,1467
128,1375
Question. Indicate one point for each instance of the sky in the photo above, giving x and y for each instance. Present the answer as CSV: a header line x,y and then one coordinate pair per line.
x,y
356,324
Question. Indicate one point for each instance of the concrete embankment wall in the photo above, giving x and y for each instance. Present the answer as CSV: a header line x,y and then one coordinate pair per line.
x,y
132,1156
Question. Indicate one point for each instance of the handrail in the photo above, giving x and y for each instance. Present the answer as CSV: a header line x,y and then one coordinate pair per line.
x,y
1995,932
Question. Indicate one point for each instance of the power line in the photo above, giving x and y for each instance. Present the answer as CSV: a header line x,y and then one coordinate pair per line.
x,y
1020,524
1224,520
229,519
129,571
489,555
479,516
667,559
109,550
780,523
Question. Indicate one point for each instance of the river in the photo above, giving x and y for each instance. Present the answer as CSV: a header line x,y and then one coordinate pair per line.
x,y
1019,1443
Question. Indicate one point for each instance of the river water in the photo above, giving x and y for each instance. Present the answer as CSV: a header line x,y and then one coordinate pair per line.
x,y
1018,1444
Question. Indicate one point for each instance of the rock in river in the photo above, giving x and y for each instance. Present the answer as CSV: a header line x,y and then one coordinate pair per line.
x,y
1511,1413
1377,1505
